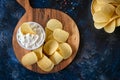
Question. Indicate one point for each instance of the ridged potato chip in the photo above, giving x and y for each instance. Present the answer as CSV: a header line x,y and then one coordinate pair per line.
x,y
118,10
118,21
92,6
100,17
108,1
29,59
50,47
25,28
115,4
97,7
100,1
108,9
65,50
53,24
45,64
39,52
56,58
60,35
104,14
50,37
111,1
113,18
99,25
110,27
48,32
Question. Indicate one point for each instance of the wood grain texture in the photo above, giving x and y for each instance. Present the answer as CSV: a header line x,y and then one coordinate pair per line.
x,y
41,16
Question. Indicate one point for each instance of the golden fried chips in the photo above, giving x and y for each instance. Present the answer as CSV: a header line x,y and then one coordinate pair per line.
x,y
106,14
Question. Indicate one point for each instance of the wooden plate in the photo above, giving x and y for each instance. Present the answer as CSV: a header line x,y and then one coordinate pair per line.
x,y
41,16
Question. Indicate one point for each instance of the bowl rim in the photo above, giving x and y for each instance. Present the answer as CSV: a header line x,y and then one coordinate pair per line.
x,y
42,40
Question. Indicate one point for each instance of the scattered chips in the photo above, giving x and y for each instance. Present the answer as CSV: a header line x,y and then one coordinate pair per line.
x,y
25,28
106,14
53,24
29,59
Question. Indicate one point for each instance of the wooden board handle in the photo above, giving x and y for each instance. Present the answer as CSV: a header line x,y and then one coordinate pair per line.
x,y
25,4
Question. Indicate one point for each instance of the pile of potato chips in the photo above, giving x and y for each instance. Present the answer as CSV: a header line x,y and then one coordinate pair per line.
x,y
106,14
53,51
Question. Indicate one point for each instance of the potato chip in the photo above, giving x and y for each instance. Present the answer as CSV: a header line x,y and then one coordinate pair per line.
x,y
92,6
97,7
50,47
118,21
29,59
56,58
65,50
99,25
108,1
113,18
45,64
110,27
108,9
25,28
100,1
48,32
50,37
118,10
60,35
39,52
115,4
118,1
53,24
100,17
105,13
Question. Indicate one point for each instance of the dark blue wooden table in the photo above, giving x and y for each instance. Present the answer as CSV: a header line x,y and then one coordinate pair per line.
x,y
98,57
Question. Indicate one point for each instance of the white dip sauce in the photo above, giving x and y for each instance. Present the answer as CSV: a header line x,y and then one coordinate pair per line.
x,y
31,41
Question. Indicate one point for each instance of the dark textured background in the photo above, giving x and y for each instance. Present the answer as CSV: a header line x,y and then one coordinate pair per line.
x,y
98,57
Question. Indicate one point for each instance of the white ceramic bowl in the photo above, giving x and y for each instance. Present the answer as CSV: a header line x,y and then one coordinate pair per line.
x,y
30,41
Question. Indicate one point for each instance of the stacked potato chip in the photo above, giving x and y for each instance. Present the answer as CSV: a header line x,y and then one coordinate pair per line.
x,y
53,51
106,14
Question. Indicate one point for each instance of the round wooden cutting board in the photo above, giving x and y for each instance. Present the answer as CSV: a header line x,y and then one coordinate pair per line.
x,y
41,16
